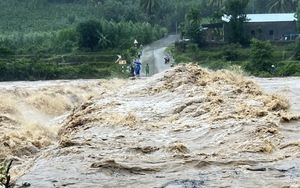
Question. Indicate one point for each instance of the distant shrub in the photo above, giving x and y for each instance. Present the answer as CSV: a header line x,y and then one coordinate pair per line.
x,y
88,33
261,56
4,51
182,59
192,47
181,46
86,70
291,68
5,175
215,65
230,52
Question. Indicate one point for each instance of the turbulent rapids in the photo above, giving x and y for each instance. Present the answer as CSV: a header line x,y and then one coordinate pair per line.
x,y
184,127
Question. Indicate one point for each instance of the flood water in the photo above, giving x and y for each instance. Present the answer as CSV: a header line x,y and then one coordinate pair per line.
x,y
185,127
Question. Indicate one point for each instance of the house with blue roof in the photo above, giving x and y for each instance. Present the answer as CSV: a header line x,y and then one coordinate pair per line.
x,y
274,27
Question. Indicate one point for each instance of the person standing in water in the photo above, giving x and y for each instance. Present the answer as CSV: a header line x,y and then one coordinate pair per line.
x,y
132,69
137,68
147,69
273,69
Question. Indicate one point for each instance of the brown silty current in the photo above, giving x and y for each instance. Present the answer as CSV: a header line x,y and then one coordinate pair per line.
x,y
184,127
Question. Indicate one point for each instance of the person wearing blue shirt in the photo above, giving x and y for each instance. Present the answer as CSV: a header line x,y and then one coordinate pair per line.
x,y
137,68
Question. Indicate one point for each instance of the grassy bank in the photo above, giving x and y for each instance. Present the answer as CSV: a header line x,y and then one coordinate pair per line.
x,y
68,66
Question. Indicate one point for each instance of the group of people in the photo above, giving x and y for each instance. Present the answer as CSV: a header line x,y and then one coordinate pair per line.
x,y
136,67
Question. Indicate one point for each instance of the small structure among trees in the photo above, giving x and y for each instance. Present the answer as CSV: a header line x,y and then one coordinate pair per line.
x,y
270,26
274,27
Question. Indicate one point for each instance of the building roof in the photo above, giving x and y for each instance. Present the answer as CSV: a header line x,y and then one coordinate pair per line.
x,y
279,17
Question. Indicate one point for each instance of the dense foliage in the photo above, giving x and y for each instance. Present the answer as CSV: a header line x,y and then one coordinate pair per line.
x,y
45,68
42,21
48,28
260,59
89,32
40,28
255,60
236,10
261,56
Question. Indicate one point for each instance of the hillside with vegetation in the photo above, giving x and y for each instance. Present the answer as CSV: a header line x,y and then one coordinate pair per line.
x,y
248,55
40,39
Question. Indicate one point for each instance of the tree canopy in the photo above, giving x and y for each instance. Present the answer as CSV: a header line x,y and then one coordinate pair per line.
x,y
47,23
89,33
236,10
150,6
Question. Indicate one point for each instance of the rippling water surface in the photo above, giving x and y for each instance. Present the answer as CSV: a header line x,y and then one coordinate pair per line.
x,y
184,127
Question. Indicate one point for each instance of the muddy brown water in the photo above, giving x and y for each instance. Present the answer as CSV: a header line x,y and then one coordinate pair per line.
x,y
178,128
183,127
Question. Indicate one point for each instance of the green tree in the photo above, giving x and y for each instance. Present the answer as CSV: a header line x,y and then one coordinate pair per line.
x,y
217,3
4,51
214,7
5,175
192,28
230,52
150,6
258,6
261,56
236,10
88,33
103,41
282,6
66,40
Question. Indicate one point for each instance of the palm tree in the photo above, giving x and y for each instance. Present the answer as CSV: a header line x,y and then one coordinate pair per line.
x,y
282,6
194,16
192,27
217,3
236,9
96,3
103,41
150,6
217,6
